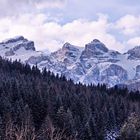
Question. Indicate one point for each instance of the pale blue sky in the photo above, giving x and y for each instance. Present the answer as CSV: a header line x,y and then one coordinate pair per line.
x,y
88,9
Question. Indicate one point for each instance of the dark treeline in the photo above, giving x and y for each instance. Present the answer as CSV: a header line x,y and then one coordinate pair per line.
x,y
38,105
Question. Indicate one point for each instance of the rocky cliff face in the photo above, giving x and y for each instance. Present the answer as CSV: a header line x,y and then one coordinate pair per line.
x,y
134,53
18,48
94,49
95,63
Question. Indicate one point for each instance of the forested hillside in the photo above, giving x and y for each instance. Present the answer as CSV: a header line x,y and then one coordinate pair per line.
x,y
38,105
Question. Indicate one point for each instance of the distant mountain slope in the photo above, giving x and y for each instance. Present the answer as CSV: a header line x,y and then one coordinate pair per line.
x,y
93,64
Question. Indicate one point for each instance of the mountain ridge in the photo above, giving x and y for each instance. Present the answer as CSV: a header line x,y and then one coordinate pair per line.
x,y
91,65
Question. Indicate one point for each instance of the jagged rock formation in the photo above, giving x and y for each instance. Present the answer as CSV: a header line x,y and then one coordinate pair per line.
x,y
18,48
90,65
134,53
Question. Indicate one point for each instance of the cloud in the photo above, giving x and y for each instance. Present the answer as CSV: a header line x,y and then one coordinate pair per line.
x,y
129,28
50,23
50,4
17,7
129,24
71,9
134,41
52,35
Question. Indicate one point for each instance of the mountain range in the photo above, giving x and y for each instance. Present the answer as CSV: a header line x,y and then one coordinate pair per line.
x,y
92,64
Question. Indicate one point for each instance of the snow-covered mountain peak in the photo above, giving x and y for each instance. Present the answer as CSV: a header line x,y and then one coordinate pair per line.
x,y
67,54
14,40
96,41
134,53
17,48
93,64
66,45
96,46
69,47
94,49
17,43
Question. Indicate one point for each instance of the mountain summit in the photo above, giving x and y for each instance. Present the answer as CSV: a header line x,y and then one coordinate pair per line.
x,y
96,46
92,65
17,48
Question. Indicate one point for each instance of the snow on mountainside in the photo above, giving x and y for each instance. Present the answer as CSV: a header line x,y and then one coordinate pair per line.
x,y
93,64
18,48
